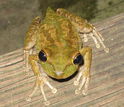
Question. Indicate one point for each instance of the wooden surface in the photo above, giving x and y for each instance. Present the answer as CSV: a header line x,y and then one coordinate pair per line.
x,y
107,81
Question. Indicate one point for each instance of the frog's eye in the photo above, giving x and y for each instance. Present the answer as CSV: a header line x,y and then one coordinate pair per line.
x,y
78,59
42,56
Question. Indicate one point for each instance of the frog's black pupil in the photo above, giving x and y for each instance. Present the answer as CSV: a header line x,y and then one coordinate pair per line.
x,y
42,56
78,59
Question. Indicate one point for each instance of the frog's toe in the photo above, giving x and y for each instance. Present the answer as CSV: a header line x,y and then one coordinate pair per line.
x,y
54,90
28,99
47,103
77,91
76,82
97,45
86,85
106,50
84,92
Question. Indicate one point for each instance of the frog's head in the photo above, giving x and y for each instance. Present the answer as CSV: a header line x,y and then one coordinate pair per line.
x,y
60,63
58,46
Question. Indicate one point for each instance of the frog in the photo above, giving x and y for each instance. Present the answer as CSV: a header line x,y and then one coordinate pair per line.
x,y
54,47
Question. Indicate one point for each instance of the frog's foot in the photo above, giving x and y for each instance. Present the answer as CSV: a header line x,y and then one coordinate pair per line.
x,y
100,39
40,82
96,36
84,84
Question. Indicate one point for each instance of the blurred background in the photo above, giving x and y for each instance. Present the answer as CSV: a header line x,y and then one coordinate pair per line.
x,y
16,16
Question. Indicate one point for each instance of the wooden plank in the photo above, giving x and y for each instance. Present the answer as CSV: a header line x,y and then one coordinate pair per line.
x,y
107,82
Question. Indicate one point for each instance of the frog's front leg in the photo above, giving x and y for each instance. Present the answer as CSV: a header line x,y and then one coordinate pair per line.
x,y
84,71
30,40
90,30
41,79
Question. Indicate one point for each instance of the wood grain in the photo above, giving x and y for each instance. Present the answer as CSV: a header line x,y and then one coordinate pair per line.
x,y
107,81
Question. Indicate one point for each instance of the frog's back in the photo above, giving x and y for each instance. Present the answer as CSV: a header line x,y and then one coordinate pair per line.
x,y
57,31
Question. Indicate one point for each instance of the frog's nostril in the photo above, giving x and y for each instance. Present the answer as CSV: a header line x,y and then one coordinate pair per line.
x,y
59,73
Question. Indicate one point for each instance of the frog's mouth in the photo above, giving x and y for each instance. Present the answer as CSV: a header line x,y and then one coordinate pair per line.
x,y
65,79
66,73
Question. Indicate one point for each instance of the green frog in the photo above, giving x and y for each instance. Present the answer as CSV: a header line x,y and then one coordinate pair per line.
x,y
54,48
